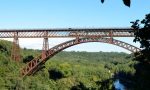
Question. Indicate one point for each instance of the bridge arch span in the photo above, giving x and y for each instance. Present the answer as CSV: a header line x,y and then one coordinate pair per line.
x,y
33,65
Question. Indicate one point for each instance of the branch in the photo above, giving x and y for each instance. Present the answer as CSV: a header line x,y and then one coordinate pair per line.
x,y
126,2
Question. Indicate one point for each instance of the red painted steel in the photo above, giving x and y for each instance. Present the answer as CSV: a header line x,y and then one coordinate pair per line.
x,y
62,33
82,35
45,46
15,54
33,64
69,32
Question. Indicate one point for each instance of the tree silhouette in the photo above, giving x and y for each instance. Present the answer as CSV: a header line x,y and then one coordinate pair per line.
x,y
142,35
142,32
126,2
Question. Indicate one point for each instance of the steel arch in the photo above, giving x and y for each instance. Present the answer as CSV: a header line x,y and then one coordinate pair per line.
x,y
34,64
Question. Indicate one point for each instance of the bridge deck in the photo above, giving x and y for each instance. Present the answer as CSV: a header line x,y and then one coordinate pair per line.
x,y
67,32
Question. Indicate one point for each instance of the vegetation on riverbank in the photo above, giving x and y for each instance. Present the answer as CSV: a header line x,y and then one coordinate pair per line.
x,y
66,70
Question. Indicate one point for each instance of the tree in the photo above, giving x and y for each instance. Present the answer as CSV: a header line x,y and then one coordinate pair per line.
x,y
28,58
142,35
142,32
126,2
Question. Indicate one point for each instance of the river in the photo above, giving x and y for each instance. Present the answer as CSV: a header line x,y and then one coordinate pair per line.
x,y
118,85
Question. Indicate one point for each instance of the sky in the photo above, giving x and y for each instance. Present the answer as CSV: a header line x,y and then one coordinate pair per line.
x,y
31,14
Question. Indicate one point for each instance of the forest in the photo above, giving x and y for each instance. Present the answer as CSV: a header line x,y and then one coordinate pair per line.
x,y
66,70
81,70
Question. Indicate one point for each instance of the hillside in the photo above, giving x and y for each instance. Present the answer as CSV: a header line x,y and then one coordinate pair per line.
x,y
66,70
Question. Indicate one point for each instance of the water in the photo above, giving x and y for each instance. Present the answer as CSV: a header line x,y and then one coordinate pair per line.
x,y
118,85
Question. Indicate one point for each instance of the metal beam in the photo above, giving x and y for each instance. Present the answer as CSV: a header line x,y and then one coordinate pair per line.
x,y
68,32
33,65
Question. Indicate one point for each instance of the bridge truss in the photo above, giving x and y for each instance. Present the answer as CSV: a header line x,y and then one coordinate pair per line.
x,y
67,33
81,35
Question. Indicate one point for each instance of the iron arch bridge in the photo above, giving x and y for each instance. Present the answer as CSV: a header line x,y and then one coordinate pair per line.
x,y
81,35
33,65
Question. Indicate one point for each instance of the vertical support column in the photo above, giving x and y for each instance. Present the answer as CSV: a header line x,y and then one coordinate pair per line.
x,y
45,45
111,36
77,38
15,54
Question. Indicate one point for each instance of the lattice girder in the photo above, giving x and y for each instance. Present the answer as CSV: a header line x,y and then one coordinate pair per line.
x,y
69,32
33,64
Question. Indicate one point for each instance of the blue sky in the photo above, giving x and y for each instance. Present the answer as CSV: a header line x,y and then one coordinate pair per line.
x,y
16,14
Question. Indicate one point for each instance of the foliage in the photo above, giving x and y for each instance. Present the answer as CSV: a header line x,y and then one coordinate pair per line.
x,y
67,70
28,58
142,35
5,47
126,2
142,32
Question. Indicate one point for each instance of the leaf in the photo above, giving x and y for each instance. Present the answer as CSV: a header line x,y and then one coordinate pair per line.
x,y
127,2
102,1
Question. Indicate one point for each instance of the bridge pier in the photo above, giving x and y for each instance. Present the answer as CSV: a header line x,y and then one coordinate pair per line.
x,y
77,40
45,46
15,54
111,37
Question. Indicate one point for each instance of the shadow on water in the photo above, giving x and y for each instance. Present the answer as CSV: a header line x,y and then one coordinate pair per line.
x,y
118,85
123,80
138,81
